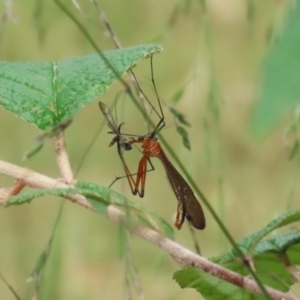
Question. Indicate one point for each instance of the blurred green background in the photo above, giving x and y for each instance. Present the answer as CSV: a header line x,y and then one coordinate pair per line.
x,y
247,180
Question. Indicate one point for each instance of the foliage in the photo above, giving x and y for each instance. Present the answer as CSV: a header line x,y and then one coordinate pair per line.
x,y
275,260
46,94
280,76
99,198
49,94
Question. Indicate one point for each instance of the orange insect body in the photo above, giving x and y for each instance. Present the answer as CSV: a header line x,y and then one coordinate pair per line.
x,y
188,205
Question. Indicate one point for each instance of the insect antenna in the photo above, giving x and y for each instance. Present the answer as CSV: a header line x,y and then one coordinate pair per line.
x,y
160,114
161,124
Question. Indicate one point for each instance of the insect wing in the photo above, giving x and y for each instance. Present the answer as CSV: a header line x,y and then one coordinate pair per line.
x,y
185,196
119,139
108,115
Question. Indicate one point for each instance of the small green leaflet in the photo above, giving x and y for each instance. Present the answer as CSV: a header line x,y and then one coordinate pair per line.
x,y
99,197
179,117
177,96
48,134
185,138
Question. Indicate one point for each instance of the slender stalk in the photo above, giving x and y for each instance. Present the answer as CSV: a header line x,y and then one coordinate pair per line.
x,y
63,158
178,252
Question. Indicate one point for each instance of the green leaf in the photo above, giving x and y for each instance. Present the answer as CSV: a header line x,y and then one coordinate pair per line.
x,y
294,130
179,116
28,196
294,150
146,216
185,137
177,96
281,76
274,261
279,244
99,197
247,243
48,134
205,283
33,151
271,259
47,93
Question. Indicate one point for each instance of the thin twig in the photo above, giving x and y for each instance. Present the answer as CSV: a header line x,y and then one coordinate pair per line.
x,y
118,45
10,287
105,20
185,256
63,158
5,193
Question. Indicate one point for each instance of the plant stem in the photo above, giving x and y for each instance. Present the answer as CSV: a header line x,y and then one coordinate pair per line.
x,y
63,158
178,252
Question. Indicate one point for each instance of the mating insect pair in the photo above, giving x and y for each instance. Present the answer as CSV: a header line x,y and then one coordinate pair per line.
x,y
188,206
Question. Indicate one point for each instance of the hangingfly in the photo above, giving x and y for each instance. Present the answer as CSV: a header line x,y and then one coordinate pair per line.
x,y
188,206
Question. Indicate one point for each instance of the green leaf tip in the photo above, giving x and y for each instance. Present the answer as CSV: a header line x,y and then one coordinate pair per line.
x,y
47,93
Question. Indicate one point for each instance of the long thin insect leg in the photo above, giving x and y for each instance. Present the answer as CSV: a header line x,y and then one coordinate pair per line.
x,y
144,176
130,179
180,215
141,175
161,124
128,175
196,244
146,98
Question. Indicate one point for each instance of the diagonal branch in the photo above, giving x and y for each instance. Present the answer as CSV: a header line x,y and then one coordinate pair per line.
x,y
185,256
62,157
